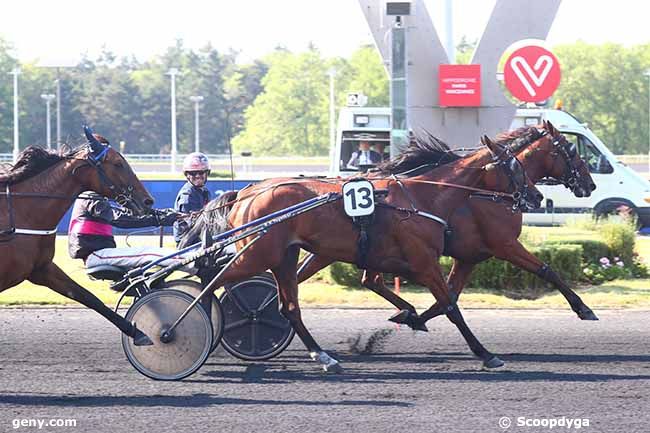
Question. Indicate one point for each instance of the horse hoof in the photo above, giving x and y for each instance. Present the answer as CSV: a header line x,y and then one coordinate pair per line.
x,y
493,362
401,316
140,339
587,315
333,368
418,326
409,318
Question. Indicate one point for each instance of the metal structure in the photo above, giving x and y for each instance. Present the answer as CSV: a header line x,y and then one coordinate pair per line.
x,y
186,323
511,21
172,73
15,72
48,97
197,100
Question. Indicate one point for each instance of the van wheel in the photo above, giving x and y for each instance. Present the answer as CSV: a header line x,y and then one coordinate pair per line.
x,y
618,208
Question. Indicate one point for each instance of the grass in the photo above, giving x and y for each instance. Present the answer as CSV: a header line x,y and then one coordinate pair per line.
x,y
614,294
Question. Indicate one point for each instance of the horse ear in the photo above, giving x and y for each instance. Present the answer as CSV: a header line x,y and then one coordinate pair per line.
x,y
550,128
492,145
95,145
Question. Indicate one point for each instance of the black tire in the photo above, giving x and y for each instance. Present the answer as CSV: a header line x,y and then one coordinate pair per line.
x,y
194,288
620,207
255,330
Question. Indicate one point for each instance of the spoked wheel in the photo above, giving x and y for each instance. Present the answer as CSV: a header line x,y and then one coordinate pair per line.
x,y
194,288
255,330
184,351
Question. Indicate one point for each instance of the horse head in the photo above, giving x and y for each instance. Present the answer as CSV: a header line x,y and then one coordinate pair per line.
x,y
510,176
111,176
564,164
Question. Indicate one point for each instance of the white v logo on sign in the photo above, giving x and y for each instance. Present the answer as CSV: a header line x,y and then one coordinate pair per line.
x,y
519,62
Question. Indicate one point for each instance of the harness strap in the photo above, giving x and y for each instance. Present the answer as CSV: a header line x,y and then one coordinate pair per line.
x,y
417,212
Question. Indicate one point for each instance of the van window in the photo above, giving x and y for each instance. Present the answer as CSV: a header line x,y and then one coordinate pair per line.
x,y
596,161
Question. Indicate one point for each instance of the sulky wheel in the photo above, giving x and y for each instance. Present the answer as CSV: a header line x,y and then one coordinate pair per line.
x,y
184,351
255,330
194,288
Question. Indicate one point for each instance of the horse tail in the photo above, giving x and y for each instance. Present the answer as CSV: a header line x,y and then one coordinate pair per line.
x,y
214,218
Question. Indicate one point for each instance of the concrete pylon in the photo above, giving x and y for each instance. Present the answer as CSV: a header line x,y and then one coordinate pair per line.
x,y
511,21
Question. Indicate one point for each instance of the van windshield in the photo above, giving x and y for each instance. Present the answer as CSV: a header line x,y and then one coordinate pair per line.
x,y
595,160
359,152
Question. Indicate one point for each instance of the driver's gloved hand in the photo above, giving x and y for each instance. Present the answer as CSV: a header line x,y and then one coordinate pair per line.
x,y
166,217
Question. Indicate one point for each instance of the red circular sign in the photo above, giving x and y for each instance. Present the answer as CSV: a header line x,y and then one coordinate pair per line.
x,y
532,73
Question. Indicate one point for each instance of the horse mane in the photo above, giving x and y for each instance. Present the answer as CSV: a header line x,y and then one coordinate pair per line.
x,y
426,152
32,161
518,138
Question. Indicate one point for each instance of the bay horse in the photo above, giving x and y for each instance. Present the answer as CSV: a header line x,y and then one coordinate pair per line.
x,y
37,191
489,228
407,231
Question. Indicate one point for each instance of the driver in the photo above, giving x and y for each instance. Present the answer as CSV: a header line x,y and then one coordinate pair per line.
x,y
90,235
194,195
363,156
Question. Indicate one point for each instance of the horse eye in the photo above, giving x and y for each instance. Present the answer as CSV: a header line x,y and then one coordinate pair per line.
x,y
119,165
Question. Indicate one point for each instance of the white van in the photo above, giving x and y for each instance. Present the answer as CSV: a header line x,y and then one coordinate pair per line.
x,y
617,185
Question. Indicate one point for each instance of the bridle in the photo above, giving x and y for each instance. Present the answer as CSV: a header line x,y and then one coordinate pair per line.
x,y
122,195
95,156
567,151
517,178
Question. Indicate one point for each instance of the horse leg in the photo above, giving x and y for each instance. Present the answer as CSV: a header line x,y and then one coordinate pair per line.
x,y
446,304
285,275
456,281
312,264
407,315
53,277
519,256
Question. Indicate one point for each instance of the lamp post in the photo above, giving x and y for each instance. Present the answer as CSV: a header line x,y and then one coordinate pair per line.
x,y
331,72
647,74
196,100
48,97
15,72
172,73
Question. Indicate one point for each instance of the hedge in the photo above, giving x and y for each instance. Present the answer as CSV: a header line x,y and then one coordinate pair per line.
x,y
495,275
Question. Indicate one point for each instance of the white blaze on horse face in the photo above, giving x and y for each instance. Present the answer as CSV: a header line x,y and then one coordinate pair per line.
x,y
537,79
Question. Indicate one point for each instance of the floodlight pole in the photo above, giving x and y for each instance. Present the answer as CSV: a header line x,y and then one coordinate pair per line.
x,y
15,72
58,110
48,97
332,73
196,100
172,73
647,74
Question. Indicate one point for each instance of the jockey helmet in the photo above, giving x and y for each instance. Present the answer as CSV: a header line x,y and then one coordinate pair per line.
x,y
196,161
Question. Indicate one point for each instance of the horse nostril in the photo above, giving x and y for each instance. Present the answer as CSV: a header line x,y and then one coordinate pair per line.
x,y
148,202
592,186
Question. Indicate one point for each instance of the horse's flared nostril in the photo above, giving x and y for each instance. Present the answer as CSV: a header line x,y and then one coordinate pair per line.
x,y
148,202
592,186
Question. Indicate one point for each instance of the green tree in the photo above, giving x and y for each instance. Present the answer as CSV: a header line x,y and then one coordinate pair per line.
x,y
290,115
604,85
7,63
367,74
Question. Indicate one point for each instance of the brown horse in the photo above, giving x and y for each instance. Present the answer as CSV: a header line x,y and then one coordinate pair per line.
x,y
38,190
482,228
490,228
407,232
